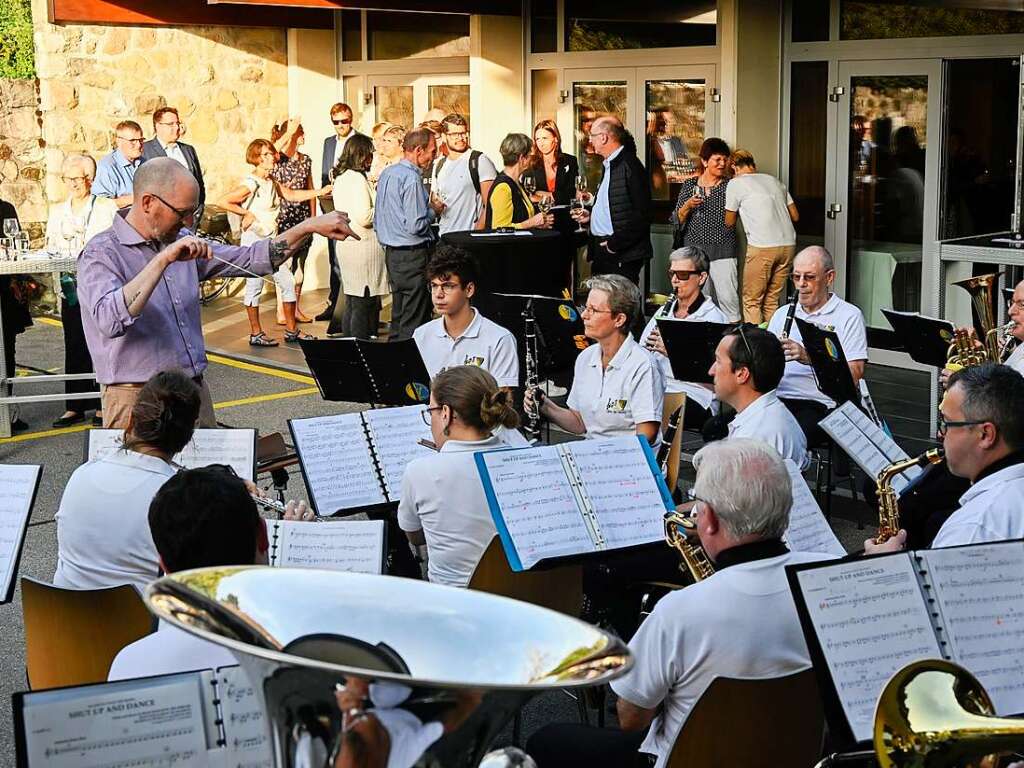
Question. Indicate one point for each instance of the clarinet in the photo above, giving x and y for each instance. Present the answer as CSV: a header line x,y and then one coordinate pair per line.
x,y
532,426
670,435
789,317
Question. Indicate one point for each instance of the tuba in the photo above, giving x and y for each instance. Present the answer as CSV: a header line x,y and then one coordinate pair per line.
x,y
450,665
888,507
695,559
962,351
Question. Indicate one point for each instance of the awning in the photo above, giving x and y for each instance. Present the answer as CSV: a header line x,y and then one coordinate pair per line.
x,y
180,13
495,7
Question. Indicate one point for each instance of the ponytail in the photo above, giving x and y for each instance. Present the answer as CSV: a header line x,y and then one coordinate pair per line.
x,y
474,395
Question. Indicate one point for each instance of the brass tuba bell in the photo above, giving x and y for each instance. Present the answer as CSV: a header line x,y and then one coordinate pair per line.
x,y
982,289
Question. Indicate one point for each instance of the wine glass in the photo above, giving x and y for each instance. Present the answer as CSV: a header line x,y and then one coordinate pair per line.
x,y
530,185
11,227
576,205
72,232
698,193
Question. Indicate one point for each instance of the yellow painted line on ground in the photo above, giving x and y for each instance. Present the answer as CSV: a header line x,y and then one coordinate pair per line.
x,y
44,433
266,370
50,321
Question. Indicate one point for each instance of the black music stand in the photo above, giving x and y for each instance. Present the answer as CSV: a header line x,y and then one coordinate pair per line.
x,y
829,362
691,347
925,339
375,372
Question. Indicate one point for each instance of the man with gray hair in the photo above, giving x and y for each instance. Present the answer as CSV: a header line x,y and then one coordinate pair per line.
x,y
140,294
739,622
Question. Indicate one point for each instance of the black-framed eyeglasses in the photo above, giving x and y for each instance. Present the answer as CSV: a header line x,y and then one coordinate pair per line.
x,y
139,140
425,413
182,214
945,426
343,121
682,275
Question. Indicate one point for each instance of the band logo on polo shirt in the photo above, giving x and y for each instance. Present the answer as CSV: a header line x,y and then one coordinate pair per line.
x,y
473,360
616,406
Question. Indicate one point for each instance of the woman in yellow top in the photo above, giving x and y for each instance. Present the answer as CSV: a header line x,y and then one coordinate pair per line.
x,y
508,204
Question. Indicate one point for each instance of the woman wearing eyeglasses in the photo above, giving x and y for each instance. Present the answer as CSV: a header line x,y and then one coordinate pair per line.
x,y
71,224
258,201
617,389
443,503
688,272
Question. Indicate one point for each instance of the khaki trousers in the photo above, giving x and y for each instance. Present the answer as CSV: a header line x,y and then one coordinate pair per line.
x,y
765,272
118,400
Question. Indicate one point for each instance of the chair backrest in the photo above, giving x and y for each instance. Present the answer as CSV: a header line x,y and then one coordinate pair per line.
x,y
560,589
674,401
72,636
777,721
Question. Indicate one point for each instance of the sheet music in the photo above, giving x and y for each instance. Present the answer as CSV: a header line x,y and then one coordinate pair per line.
x,y
350,545
865,443
536,503
625,496
17,489
246,733
395,433
235,447
151,722
980,593
871,620
336,462
808,529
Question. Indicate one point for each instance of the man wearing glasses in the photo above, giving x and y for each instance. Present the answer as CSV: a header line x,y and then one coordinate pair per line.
x,y
462,179
169,129
114,173
139,288
1015,312
981,424
342,119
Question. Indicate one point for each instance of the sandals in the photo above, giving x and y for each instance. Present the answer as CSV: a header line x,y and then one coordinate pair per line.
x,y
262,340
298,335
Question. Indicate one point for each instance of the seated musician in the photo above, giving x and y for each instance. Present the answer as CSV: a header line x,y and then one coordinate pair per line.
x,y
1015,313
200,518
981,423
688,272
617,388
461,335
748,367
443,503
813,275
739,622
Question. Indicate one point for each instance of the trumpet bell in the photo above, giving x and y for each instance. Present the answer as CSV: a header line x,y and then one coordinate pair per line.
x,y
465,659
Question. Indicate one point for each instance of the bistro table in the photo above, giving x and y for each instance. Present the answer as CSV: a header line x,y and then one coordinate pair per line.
x,y
533,261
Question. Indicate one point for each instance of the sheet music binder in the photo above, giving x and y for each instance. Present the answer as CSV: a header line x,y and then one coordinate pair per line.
x,y
100,441
691,347
276,532
230,729
919,595
14,519
375,372
925,339
829,362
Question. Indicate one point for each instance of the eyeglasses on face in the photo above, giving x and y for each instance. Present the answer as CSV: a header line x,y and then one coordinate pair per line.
x,y
180,212
445,288
1015,304
69,179
945,426
342,121
425,414
594,310
457,134
682,275
176,123
129,140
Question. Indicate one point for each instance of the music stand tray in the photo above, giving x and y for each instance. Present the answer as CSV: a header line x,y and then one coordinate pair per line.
x,y
376,372
557,322
829,362
691,347
925,339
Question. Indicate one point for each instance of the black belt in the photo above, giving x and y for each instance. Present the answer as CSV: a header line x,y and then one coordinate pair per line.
x,y
418,247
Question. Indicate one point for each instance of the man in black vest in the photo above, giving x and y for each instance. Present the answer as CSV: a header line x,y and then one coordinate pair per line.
x,y
620,222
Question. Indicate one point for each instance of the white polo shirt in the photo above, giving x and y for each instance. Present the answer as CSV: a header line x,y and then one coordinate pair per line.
x,y
1016,359
991,510
798,382
614,400
103,536
483,343
442,495
768,420
167,651
707,312
739,622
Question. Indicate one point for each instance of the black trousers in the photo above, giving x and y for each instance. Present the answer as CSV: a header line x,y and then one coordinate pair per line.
x,y
604,263
335,289
76,358
361,315
573,744
808,413
410,297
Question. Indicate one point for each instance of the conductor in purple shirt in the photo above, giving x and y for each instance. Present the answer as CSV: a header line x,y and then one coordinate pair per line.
x,y
138,285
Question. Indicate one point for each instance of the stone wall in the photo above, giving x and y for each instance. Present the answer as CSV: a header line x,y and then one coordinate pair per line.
x,y
229,84
22,166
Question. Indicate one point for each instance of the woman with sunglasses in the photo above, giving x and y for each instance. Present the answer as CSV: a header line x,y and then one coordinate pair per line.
x,y
617,388
688,272
443,503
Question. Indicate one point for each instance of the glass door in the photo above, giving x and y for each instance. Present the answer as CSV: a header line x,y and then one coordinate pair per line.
x,y
405,100
886,158
593,93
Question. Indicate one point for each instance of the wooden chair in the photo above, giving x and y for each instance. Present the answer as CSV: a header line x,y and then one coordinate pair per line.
x,y
674,401
560,589
767,723
72,636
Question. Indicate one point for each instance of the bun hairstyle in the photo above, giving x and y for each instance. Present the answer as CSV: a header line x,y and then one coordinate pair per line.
x,y
474,395
164,416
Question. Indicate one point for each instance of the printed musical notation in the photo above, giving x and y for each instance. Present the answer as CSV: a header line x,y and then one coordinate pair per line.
x,y
245,725
866,443
808,530
395,433
17,489
870,620
337,465
234,447
348,545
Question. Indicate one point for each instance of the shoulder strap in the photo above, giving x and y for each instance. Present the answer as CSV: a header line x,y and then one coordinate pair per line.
x,y
474,169
438,165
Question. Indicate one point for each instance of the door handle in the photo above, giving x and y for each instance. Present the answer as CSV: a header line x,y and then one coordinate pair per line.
x,y
834,209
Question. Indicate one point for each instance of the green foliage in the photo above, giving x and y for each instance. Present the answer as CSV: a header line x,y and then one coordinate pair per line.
x,y
17,56
873,21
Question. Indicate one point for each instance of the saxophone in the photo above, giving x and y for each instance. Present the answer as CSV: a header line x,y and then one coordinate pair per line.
x,y
677,525
888,508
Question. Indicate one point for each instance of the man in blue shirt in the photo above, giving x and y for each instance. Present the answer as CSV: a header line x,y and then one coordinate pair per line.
x,y
114,173
402,217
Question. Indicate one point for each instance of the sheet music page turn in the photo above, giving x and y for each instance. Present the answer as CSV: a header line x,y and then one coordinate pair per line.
x,y
395,433
336,462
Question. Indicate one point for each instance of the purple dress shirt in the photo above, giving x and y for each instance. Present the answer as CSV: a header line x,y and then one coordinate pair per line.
x,y
168,333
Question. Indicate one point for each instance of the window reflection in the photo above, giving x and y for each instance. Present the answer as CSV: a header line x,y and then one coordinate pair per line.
x,y
394,104
590,101
449,98
675,130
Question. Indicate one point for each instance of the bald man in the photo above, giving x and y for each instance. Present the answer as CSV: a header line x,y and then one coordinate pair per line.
x,y
138,285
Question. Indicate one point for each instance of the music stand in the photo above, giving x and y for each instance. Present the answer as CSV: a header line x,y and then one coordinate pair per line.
x,y
829,362
691,347
925,339
375,372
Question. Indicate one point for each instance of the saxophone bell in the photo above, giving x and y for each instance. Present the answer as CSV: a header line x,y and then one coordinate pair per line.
x,y
888,502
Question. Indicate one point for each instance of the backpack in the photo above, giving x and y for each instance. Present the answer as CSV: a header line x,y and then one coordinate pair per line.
x,y
474,168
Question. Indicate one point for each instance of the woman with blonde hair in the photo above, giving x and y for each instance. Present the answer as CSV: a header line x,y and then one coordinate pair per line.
x,y
379,163
443,503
